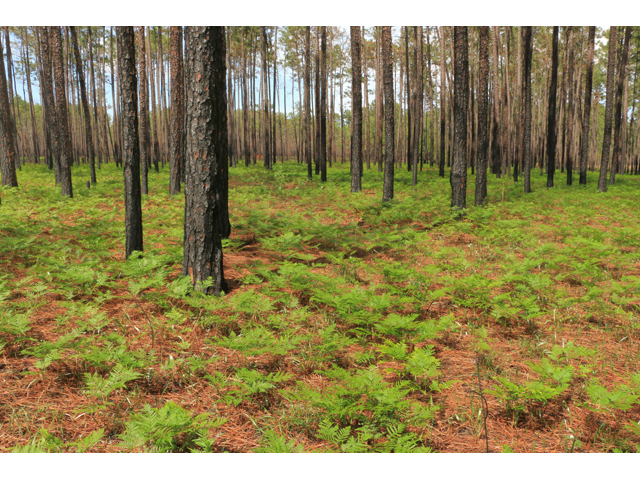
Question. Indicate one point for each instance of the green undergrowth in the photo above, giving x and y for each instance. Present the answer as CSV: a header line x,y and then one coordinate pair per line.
x,y
344,321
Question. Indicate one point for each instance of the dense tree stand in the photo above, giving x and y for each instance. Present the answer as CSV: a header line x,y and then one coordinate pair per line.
x,y
206,156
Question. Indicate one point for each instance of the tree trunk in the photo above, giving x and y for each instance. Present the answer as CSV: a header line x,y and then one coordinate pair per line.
x,y
144,111
7,145
617,143
551,113
177,110
483,116
131,145
356,109
207,156
608,115
62,113
461,95
85,107
265,101
307,103
323,105
528,53
584,153
443,103
389,107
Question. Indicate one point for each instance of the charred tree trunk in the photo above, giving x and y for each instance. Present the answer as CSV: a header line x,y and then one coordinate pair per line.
x,y
617,142
307,103
144,111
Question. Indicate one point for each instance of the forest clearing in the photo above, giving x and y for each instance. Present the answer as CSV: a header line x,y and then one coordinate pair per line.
x,y
403,262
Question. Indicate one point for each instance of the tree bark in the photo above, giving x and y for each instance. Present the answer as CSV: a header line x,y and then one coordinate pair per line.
x,y
144,110
617,142
483,116
608,115
584,153
131,145
7,145
62,113
85,106
307,102
526,78
551,112
177,110
207,146
389,108
461,95
356,109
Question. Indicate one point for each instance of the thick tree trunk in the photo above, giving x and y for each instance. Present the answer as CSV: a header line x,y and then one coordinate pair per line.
x,y
570,107
265,100
356,109
608,115
496,161
389,107
177,110
443,103
461,95
526,75
131,145
307,102
144,111
551,112
584,153
62,113
207,156
483,116
323,104
7,145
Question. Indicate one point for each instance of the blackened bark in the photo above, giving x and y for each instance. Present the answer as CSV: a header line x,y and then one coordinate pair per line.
x,y
584,154
144,111
389,107
551,113
85,106
323,104
526,78
356,109
207,147
130,143
177,110
483,112
61,111
7,145
460,99
608,113
617,140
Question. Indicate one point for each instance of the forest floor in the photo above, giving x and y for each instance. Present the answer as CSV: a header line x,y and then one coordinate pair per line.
x,y
349,324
